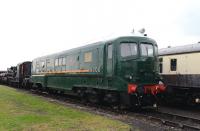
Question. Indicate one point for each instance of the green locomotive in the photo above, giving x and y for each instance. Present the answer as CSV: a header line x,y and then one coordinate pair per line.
x,y
121,71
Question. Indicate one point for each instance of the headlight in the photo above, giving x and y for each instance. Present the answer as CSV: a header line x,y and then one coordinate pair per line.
x,y
160,83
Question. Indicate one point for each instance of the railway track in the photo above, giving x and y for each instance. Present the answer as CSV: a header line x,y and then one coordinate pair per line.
x,y
164,118
172,120
151,116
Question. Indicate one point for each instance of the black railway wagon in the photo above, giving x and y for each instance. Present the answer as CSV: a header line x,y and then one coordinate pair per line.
x,y
2,75
22,75
180,69
8,75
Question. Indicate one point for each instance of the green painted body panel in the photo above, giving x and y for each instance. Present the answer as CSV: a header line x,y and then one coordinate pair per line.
x,y
39,80
67,82
101,73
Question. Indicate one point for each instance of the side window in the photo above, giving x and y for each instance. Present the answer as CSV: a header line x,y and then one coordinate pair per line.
x,y
43,64
173,64
56,62
37,64
161,65
48,62
37,67
60,61
88,57
109,51
63,61
77,58
72,60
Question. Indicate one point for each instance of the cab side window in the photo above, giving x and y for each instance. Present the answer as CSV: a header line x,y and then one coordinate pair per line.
x,y
109,51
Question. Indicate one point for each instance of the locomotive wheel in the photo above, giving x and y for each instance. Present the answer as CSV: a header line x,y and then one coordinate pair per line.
x,y
82,95
190,101
93,97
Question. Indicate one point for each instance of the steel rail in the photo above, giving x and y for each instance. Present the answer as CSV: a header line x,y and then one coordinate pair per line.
x,y
173,120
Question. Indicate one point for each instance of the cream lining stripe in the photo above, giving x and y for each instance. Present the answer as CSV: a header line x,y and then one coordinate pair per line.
x,y
66,71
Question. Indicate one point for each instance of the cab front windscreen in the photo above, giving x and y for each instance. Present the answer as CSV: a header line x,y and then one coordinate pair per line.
x,y
146,49
128,49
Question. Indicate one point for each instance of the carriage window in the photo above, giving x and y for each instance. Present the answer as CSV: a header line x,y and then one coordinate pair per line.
x,y
109,51
173,64
56,62
88,57
161,65
146,49
128,49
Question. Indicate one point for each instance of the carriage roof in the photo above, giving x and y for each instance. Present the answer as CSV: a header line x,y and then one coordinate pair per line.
x,y
180,49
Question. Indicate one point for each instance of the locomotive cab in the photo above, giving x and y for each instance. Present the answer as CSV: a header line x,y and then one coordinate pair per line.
x,y
135,70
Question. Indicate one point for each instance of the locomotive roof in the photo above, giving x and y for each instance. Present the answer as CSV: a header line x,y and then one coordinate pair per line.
x,y
90,45
180,49
71,50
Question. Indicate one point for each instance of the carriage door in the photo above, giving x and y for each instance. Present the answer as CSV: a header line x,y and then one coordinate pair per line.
x,y
109,60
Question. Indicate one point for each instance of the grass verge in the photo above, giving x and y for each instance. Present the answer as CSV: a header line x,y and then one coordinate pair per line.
x,y
21,111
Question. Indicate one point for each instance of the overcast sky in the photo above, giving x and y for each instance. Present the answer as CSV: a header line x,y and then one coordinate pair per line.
x,y
29,29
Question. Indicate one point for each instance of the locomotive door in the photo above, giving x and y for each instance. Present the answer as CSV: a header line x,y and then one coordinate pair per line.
x,y
109,60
